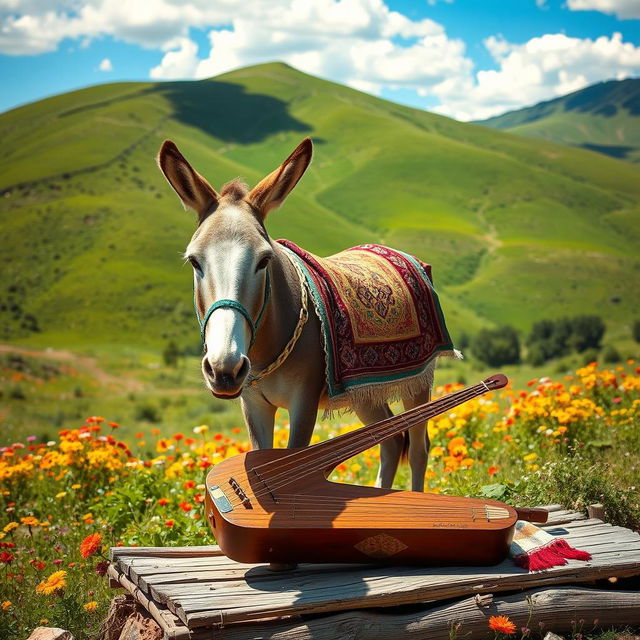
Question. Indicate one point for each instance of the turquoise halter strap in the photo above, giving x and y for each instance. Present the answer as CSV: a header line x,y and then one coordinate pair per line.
x,y
234,304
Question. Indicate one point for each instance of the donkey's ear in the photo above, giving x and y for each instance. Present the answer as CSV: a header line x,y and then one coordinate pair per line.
x,y
271,191
194,191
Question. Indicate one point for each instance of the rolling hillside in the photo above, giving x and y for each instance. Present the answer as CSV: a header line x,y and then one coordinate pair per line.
x,y
517,229
604,117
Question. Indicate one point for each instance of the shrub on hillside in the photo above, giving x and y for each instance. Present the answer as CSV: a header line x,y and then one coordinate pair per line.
x,y
554,338
636,330
496,347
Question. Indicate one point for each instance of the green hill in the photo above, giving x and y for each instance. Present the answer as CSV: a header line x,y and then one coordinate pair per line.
x,y
517,229
603,117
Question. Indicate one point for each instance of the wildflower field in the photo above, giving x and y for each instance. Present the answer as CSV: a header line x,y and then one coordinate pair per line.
x,y
65,501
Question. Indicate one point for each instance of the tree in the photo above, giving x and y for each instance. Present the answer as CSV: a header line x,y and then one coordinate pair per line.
x,y
496,347
636,330
586,332
171,354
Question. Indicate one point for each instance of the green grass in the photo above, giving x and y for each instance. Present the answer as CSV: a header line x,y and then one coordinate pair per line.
x,y
516,229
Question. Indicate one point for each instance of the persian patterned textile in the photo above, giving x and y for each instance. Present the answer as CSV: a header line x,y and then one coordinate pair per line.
x,y
535,550
381,321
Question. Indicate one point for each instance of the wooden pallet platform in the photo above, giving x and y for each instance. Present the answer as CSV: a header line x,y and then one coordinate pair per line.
x,y
188,590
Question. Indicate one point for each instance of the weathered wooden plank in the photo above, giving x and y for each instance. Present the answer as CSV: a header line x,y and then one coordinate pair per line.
x,y
367,592
165,552
170,624
204,591
558,609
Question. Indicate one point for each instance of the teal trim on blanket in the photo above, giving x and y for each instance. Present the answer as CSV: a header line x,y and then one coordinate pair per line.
x,y
320,310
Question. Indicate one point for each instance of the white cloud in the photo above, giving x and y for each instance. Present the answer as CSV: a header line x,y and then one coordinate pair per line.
x,y
361,43
105,65
624,9
540,69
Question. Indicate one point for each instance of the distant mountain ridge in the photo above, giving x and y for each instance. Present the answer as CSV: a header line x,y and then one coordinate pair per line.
x,y
516,229
603,117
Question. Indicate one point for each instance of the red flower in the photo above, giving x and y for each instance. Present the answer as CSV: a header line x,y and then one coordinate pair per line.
x,y
492,470
163,502
6,557
169,523
90,545
198,497
178,437
186,506
189,484
502,624
101,567
38,564
114,425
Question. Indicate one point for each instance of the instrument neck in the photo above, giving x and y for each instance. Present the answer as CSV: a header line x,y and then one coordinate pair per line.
x,y
333,452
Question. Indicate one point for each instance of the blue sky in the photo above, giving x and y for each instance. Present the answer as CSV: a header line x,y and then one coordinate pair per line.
x,y
462,58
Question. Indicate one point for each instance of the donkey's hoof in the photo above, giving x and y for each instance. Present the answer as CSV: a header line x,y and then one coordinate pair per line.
x,y
282,566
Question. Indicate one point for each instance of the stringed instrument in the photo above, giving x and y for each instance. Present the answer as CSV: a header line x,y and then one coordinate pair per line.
x,y
277,506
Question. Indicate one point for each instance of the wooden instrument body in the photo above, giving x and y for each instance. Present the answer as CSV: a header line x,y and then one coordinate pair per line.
x,y
322,521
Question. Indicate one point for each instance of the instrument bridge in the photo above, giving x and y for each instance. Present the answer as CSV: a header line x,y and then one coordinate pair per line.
x,y
495,513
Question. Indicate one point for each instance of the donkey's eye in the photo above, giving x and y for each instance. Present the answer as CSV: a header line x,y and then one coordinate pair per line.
x,y
195,264
263,263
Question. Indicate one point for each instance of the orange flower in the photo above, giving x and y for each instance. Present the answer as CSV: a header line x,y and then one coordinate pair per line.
x,y
492,470
53,583
163,501
189,484
186,506
90,606
502,624
90,545
169,523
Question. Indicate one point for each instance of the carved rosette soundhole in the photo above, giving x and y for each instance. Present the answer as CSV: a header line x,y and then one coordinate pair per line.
x,y
380,546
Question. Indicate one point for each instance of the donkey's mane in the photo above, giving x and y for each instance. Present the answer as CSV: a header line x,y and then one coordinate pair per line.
x,y
235,189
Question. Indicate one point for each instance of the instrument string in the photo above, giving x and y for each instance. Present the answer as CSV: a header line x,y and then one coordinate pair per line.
x,y
387,425
373,430
379,431
385,428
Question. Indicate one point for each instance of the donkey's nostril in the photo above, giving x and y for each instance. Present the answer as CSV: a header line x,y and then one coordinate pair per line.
x,y
207,368
243,370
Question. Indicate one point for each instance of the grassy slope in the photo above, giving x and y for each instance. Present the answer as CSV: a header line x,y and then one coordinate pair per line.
x,y
516,229
602,117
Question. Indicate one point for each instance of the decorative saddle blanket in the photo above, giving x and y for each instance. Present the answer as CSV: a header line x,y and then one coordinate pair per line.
x,y
381,321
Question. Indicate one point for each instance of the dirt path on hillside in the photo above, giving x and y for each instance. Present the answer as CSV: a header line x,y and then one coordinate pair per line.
x,y
87,364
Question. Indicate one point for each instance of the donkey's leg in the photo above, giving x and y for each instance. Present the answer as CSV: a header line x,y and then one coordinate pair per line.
x,y
302,416
390,449
418,440
259,416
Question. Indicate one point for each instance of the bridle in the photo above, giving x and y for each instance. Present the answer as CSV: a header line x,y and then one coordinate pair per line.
x,y
225,303
237,306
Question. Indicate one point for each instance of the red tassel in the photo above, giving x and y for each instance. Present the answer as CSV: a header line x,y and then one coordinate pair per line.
x,y
555,554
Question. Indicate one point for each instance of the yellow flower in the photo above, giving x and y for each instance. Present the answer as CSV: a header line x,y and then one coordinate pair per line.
x,y
10,527
530,457
355,467
76,486
53,583
6,604
90,606
30,521
201,429
61,494
44,620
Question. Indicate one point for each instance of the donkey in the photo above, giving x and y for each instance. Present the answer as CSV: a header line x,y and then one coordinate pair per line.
x,y
249,297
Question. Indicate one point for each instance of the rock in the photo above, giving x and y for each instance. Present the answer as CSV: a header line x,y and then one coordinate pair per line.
x,y
552,636
50,633
140,626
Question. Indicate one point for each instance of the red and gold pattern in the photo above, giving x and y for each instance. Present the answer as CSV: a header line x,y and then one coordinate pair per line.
x,y
381,319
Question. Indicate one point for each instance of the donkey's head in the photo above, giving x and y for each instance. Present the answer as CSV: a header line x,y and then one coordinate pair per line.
x,y
230,253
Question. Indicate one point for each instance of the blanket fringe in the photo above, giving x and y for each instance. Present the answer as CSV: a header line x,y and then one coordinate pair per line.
x,y
379,393
554,554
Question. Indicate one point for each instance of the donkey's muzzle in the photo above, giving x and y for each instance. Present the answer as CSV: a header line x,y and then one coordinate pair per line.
x,y
225,380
